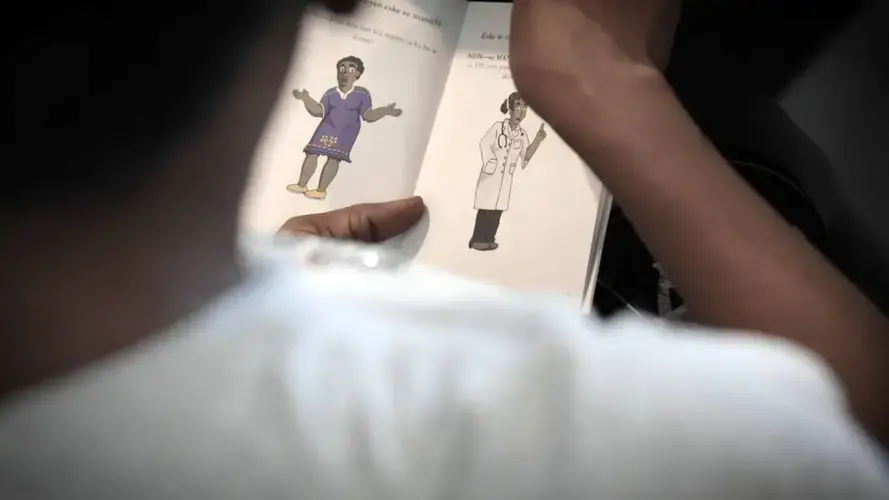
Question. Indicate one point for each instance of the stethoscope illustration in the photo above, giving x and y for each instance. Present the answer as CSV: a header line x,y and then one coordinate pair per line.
x,y
504,136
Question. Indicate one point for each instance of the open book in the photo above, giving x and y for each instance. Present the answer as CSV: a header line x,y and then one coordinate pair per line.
x,y
415,97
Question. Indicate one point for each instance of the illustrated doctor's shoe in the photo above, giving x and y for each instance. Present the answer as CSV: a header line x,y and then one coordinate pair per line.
x,y
482,246
296,188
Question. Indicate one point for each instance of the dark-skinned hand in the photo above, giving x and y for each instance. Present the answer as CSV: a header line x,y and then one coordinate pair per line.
x,y
367,222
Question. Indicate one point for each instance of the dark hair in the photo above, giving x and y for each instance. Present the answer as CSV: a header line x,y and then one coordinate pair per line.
x,y
94,90
509,103
354,60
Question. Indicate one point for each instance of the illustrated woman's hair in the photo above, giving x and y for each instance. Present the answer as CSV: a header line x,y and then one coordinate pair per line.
x,y
354,60
509,103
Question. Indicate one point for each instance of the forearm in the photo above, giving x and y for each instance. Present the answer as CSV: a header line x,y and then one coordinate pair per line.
x,y
373,115
532,149
313,107
735,261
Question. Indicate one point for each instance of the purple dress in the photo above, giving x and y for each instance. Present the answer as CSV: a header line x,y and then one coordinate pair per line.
x,y
340,124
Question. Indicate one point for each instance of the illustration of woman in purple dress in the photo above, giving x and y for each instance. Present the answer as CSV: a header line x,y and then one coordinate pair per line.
x,y
341,110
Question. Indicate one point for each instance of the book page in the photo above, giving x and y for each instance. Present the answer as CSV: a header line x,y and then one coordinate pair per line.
x,y
509,202
353,119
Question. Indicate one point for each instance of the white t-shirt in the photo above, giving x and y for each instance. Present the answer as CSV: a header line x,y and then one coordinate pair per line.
x,y
343,382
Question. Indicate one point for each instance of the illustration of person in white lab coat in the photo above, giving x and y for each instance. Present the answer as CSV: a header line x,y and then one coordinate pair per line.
x,y
504,147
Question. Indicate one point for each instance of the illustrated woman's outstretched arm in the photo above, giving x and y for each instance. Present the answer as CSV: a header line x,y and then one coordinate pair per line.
x,y
375,114
312,106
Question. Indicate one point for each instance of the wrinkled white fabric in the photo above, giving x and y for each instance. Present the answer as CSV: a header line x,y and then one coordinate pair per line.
x,y
342,383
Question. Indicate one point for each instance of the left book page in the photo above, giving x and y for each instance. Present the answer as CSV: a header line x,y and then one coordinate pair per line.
x,y
355,112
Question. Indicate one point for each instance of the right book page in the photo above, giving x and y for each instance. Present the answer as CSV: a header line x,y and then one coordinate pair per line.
x,y
509,202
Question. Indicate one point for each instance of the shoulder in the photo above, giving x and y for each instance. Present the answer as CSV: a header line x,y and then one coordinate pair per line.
x,y
331,90
387,363
446,312
362,90
421,302
532,374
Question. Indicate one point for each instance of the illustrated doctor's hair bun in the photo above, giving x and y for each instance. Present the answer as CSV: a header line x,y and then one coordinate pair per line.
x,y
509,103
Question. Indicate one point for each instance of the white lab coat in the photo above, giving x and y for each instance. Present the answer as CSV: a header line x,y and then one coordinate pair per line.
x,y
499,161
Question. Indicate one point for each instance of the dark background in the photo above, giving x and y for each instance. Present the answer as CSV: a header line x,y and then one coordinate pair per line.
x,y
795,93
802,87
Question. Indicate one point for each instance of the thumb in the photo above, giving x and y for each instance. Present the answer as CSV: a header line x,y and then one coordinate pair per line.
x,y
541,127
376,222
368,222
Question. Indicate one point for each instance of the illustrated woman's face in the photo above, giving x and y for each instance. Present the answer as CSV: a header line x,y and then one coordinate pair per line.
x,y
519,110
346,74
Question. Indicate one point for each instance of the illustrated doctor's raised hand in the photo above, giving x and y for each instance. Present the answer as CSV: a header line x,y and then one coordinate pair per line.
x,y
538,139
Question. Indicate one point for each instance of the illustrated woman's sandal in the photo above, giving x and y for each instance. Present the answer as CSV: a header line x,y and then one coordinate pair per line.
x,y
313,194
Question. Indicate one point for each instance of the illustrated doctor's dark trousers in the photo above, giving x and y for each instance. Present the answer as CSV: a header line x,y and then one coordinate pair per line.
x,y
486,224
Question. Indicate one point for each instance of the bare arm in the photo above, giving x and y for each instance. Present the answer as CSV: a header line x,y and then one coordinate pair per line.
x,y
532,148
312,106
375,114
590,68
737,263
372,115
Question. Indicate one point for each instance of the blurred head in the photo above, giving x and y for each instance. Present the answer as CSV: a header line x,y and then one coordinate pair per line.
x,y
101,95
132,130
348,70
515,106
